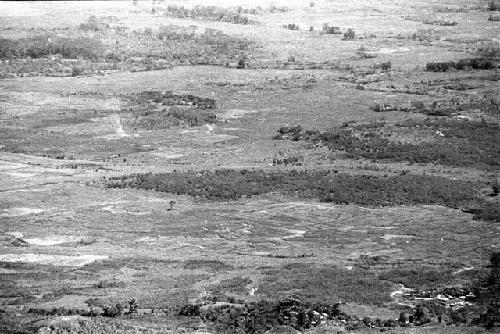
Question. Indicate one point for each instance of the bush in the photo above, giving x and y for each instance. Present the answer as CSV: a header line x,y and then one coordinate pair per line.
x,y
327,29
93,24
291,26
241,64
488,212
493,5
349,35
76,71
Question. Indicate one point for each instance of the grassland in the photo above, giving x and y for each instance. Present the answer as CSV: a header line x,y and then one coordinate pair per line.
x,y
273,167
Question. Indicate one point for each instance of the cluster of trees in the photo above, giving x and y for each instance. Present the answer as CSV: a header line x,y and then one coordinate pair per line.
x,y
462,64
212,13
323,185
51,45
464,143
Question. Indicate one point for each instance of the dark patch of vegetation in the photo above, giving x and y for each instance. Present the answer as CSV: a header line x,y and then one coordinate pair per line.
x,y
421,278
189,310
50,45
258,317
289,132
63,311
181,109
93,24
464,143
349,35
327,29
233,285
489,295
287,160
168,98
291,26
109,284
214,265
325,284
323,185
487,211
166,118
210,13
99,49
493,5
445,23
462,64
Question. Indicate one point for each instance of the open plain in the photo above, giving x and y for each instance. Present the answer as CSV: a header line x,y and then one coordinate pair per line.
x,y
250,167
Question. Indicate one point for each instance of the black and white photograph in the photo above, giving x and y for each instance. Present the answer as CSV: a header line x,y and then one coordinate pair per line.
x,y
250,167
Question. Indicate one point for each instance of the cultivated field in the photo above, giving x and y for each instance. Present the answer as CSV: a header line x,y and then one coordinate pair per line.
x,y
250,167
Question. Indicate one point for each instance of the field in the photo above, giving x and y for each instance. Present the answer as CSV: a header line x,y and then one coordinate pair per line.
x,y
250,167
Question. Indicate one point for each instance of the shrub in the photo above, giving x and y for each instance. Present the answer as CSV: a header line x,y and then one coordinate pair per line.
x,y
241,64
488,212
76,71
327,29
349,35
113,310
93,24
386,66
493,5
291,26
189,310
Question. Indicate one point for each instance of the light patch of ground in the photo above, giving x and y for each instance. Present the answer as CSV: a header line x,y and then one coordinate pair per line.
x,y
123,211
393,50
295,234
463,269
52,240
68,301
397,236
21,174
235,114
56,260
15,234
169,153
19,211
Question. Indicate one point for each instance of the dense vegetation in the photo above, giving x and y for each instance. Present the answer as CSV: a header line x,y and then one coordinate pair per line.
x,y
211,13
462,64
96,47
49,45
325,284
160,110
323,185
464,143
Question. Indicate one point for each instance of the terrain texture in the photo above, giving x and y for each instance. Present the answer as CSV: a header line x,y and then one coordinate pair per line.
x,y
261,167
